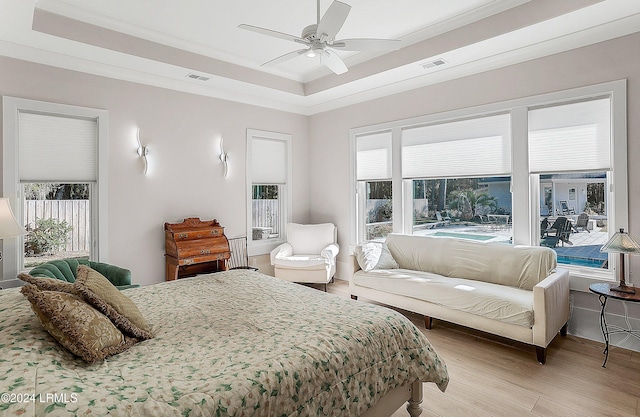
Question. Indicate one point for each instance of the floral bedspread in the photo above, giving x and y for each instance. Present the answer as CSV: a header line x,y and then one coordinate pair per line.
x,y
236,343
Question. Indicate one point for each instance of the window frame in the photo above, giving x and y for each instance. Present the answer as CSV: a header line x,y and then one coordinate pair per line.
x,y
13,259
262,247
526,194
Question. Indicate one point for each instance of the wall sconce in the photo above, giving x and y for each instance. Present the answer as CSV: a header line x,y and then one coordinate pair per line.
x,y
224,156
142,151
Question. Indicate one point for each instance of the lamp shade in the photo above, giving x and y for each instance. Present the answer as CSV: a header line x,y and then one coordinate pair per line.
x,y
621,242
9,226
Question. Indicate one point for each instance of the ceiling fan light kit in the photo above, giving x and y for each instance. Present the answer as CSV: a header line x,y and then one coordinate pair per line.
x,y
319,39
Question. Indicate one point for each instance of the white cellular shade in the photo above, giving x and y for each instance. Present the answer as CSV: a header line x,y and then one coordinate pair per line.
x,y
464,148
268,161
570,137
374,156
57,148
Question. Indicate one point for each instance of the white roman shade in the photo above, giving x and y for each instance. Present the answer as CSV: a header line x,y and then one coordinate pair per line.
x,y
373,156
570,137
268,161
57,148
474,147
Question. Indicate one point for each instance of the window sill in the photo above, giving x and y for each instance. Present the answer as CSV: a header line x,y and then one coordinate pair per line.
x,y
581,278
257,247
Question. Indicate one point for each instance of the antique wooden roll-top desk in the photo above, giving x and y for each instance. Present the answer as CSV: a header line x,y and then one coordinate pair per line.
x,y
195,247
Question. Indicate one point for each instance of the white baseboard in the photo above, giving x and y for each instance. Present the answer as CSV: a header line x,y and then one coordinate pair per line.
x,y
585,323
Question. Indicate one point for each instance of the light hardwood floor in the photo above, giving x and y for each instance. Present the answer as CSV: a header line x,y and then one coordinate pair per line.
x,y
492,376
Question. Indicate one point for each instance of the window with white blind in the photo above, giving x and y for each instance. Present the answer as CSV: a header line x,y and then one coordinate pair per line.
x,y
506,172
268,184
374,188
478,146
55,167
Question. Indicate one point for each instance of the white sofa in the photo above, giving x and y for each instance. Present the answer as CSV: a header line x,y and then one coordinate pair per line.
x,y
511,291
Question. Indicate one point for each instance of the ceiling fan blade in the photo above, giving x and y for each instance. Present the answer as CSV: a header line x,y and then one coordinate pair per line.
x,y
285,57
273,33
332,61
332,20
363,44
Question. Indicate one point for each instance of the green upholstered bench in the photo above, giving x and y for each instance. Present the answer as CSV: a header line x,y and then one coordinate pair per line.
x,y
65,270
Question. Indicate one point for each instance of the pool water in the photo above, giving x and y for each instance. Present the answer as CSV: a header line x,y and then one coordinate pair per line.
x,y
470,236
587,262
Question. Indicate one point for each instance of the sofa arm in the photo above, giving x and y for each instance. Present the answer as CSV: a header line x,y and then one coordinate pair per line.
x,y
284,249
330,252
550,307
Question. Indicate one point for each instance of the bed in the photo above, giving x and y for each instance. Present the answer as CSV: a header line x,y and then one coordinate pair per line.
x,y
234,343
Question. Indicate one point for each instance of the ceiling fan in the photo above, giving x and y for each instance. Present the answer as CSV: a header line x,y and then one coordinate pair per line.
x,y
319,39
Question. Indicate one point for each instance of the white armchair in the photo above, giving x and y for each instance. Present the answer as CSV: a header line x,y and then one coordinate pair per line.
x,y
309,255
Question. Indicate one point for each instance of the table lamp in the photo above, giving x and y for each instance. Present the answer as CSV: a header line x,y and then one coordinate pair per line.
x,y
621,242
9,226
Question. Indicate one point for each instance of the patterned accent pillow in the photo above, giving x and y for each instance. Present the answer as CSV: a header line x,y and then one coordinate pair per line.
x,y
374,255
76,325
106,298
48,284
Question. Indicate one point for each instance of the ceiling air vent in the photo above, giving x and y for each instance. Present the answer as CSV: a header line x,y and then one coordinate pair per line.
x,y
198,77
434,63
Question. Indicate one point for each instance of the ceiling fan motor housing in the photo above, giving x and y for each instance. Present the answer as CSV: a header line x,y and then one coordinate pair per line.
x,y
309,33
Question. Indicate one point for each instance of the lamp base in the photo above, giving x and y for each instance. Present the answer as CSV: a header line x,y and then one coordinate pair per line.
x,y
624,288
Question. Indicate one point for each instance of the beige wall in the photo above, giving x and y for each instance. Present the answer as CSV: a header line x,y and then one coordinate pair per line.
x,y
185,177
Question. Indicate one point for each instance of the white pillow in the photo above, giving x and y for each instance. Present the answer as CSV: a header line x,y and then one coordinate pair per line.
x,y
374,255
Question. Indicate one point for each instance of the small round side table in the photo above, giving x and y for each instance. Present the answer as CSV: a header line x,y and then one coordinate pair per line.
x,y
605,292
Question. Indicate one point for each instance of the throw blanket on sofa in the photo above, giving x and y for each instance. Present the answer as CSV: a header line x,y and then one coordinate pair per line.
x,y
233,343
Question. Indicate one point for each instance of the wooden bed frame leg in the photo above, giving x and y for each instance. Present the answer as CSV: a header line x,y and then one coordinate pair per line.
x,y
413,407
428,322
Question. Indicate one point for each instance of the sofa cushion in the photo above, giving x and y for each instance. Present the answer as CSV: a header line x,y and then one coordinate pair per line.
x,y
497,263
307,239
502,303
303,262
374,255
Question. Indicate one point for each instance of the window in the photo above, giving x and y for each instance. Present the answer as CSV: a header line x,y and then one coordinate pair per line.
x,y
374,188
507,171
471,208
448,163
570,149
268,182
55,170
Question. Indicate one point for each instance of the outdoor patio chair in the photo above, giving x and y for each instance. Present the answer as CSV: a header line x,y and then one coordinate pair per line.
x,y
558,233
582,222
565,209
441,219
544,225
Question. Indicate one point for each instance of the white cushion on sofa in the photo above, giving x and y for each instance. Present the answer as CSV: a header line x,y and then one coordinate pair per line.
x,y
498,263
502,303
374,255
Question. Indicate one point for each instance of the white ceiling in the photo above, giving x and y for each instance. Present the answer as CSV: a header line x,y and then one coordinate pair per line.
x,y
159,42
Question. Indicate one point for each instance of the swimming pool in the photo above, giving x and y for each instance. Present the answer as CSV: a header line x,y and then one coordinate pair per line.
x,y
470,236
587,262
